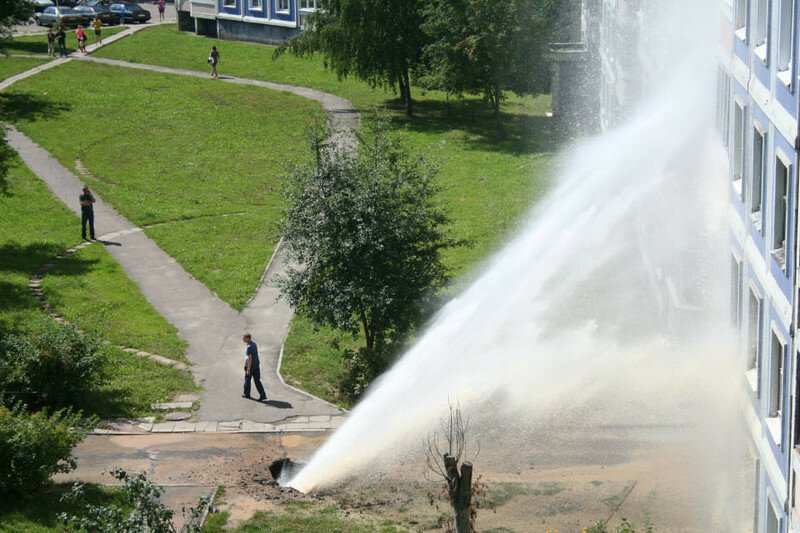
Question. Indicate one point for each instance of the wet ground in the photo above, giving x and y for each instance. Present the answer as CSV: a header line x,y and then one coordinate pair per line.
x,y
575,480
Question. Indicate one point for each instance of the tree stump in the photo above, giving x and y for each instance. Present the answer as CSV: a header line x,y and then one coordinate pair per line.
x,y
459,487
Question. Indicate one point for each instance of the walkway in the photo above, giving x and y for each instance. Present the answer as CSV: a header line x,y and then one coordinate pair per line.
x,y
210,326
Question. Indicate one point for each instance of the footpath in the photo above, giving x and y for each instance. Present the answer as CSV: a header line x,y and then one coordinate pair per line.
x,y
211,327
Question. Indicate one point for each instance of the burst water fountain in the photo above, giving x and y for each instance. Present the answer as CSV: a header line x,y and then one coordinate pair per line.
x,y
608,306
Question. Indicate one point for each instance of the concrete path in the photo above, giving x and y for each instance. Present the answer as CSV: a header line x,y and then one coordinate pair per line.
x,y
212,328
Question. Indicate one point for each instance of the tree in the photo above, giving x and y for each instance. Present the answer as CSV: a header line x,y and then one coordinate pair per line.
x,y
12,12
446,450
35,446
488,47
366,229
50,366
378,41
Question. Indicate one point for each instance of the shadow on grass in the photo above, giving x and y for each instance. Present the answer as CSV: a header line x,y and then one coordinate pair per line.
x,y
26,47
15,107
40,511
527,134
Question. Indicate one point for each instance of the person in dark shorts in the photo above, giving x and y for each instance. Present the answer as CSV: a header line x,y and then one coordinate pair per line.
x,y
161,5
252,368
61,37
87,200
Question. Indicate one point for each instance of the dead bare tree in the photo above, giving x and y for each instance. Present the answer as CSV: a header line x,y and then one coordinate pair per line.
x,y
446,449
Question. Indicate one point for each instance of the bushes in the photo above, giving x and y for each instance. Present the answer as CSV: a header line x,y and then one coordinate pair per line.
x,y
34,446
48,367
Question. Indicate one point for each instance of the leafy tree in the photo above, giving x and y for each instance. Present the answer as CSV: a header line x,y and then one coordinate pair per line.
x,y
49,366
378,41
35,446
488,47
366,229
143,513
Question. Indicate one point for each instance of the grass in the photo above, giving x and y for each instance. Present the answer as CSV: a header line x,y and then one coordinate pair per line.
x,y
11,66
35,226
301,518
37,43
198,160
90,289
488,183
39,514
498,494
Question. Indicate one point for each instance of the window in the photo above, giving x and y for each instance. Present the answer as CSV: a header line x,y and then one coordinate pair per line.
x,y
736,292
780,213
309,5
229,3
255,5
738,147
755,314
282,5
757,200
776,378
760,32
723,105
785,30
773,522
741,19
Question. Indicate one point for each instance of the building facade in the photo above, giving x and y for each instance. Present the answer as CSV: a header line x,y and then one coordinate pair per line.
x,y
758,122
261,21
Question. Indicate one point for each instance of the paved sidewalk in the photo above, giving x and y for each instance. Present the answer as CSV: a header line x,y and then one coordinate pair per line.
x,y
212,328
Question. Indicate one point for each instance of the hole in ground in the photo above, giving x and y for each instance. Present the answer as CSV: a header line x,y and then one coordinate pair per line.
x,y
283,470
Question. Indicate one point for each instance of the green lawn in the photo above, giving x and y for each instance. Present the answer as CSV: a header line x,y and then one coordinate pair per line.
x,y
90,289
37,43
487,183
34,227
303,517
11,66
198,160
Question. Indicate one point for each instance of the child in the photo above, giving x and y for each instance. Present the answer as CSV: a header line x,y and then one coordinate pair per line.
x,y
79,33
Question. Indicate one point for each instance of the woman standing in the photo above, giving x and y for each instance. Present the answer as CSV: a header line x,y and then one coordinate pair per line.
x,y
213,59
81,35
51,43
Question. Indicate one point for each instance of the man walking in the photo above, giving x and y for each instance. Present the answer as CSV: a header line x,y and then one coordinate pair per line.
x,y
87,200
251,369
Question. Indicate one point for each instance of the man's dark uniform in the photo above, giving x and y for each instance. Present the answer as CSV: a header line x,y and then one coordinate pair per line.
x,y
87,215
255,371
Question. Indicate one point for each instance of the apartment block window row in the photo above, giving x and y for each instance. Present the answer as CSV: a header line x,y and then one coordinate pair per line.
x,y
760,31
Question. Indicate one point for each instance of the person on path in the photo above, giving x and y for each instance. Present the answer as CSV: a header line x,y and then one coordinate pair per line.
x,y
97,25
213,59
51,43
61,37
252,368
81,36
161,5
87,200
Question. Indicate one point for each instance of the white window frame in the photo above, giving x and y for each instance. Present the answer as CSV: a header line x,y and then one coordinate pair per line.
x,y
279,6
255,5
785,47
755,329
737,280
777,368
229,3
738,146
758,170
780,249
741,20
309,5
761,30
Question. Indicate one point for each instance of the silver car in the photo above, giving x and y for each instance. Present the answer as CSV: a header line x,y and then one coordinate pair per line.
x,y
59,16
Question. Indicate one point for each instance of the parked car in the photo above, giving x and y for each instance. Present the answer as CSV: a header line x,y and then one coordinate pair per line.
x,y
130,12
41,5
103,13
55,16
